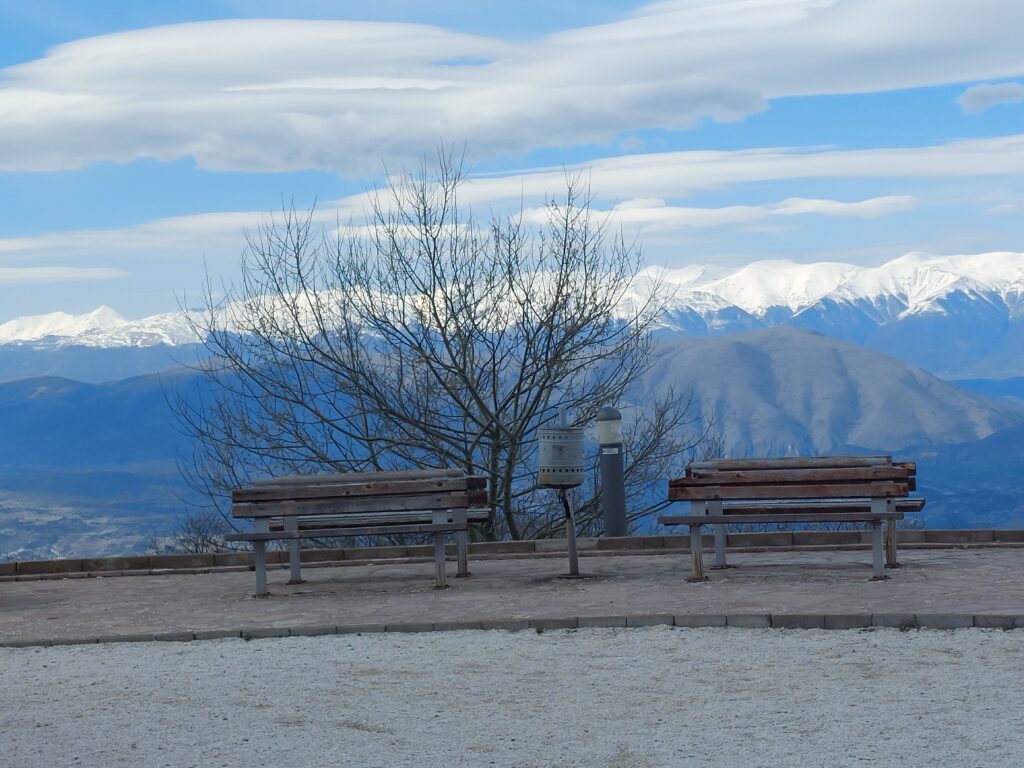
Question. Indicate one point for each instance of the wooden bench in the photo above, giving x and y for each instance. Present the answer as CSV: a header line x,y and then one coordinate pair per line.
x,y
869,489
433,501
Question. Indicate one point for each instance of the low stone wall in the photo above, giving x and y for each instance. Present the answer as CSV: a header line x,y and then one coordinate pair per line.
x,y
634,544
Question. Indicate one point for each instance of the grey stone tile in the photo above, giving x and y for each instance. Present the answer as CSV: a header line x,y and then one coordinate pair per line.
x,y
261,633
896,620
749,620
697,620
83,640
994,621
175,637
314,630
360,629
455,626
945,620
511,625
140,637
798,621
217,634
27,643
650,620
601,621
39,567
571,622
847,620
410,626
966,536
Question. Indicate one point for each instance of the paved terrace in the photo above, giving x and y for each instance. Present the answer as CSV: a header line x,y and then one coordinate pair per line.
x,y
976,582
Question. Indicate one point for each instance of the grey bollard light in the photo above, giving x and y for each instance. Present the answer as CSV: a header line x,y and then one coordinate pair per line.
x,y
613,484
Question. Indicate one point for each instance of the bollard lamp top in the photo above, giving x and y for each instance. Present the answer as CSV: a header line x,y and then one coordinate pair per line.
x,y
609,426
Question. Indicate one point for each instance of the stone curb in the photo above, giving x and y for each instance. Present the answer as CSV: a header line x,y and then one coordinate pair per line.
x,y
132,565
763,621
6,576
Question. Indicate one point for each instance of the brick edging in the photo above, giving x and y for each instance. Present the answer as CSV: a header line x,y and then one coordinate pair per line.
x,y
826,621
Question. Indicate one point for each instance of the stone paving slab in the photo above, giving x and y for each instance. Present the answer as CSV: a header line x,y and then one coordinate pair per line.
x,y
825,589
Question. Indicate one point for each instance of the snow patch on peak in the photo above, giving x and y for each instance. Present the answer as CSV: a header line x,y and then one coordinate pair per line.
x,y
102,327
762,285
36,327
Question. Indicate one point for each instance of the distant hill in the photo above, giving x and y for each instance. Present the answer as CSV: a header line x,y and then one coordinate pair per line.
x,y
89,469
92,364
981,481
784,391
1012,387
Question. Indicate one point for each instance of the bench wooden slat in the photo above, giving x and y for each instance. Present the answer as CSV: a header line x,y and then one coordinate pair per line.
x,y
334,506
793,462
792,476
851,506
816,517
877,490
383,518
327,533
358,477
356,489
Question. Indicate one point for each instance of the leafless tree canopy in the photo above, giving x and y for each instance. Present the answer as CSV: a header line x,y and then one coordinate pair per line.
x,y
424,337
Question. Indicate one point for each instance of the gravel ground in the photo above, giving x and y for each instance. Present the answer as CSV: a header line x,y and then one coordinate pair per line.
x,y
597,697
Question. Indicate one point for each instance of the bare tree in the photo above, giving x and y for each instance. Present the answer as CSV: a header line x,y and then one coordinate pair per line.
x,y
421,337
197,533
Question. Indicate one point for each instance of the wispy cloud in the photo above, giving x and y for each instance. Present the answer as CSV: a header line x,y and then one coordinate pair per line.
x,y
653,215
1004,209
978,98
642,180
30,275
669,175
279,95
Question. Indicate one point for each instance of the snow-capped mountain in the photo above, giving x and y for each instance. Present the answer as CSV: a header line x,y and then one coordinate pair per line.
x,y
102,327
952,315
917,281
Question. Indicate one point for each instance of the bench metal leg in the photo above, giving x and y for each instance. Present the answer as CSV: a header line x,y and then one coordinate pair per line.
x,y
878,563
720,546
695,555
294,560
259,557
440,518
715,508
461,543
259,549
891,560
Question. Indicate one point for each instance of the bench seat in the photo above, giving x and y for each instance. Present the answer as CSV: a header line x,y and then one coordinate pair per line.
x,y
431,502
820,489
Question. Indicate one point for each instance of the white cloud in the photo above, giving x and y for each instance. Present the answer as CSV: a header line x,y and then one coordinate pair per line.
x,y
653,215
278,95
978,98
29,275
873,208
1003,209
643,181
668,175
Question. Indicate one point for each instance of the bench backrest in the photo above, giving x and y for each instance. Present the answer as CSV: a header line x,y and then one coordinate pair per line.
x,y
839,477
360,494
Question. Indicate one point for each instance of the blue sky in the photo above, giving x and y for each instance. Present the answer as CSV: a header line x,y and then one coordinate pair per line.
x,y
139,139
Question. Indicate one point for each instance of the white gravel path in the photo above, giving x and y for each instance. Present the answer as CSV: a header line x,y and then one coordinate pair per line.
x,y
597,697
